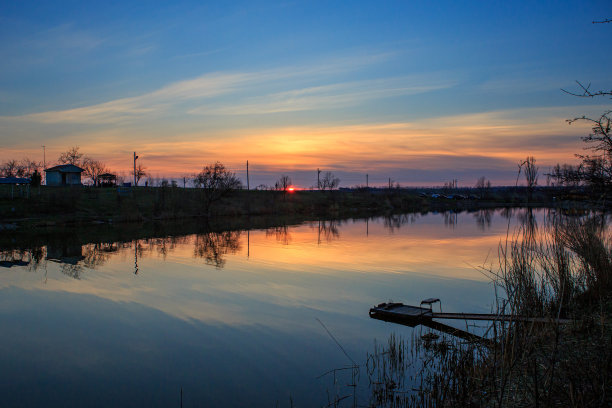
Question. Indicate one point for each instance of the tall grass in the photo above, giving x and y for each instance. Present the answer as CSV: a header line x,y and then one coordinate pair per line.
x,y
562,269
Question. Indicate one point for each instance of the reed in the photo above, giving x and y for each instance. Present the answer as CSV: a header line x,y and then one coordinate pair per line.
x,y
564,269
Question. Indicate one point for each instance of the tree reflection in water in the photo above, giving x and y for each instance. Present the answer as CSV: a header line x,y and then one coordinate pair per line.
x,y
281,234
72,270
394,222
97,254
529,226
450,219
483,218
212,246
328,230
32,258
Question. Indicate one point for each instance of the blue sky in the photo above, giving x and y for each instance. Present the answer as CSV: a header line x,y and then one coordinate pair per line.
x,y
415,91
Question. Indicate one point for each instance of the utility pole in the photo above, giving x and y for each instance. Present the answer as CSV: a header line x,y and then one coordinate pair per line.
x,y
367,185
184,182
248,186
135,157
44,164
389,183
318,179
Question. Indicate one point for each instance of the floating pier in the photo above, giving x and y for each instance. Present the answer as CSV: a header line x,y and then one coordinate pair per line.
x,y
415,315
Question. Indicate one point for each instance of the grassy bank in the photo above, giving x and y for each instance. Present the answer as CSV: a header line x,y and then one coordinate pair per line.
x,y
61,205
561,270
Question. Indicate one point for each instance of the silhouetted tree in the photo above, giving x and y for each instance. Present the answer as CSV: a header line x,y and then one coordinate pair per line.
x,y
483,186
93,169
329,181
27,167
9,168
565,175
71,156
530,171
23,168
216,182
283,183
596,169
139,173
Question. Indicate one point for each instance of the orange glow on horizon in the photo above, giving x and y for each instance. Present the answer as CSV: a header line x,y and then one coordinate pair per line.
x,y
477,142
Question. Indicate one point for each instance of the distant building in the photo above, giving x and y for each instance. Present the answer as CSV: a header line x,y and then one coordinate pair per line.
x,y
64,175
107,180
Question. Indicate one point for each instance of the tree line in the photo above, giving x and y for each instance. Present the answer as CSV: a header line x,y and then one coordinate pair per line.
x,y
595,167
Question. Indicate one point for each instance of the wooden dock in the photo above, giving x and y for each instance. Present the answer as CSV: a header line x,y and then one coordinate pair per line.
x,y
415,315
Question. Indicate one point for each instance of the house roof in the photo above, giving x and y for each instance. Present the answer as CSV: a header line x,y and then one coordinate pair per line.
x,y
14,180
66,168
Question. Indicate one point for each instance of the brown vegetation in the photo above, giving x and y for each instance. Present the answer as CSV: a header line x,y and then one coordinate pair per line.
x,y
563,270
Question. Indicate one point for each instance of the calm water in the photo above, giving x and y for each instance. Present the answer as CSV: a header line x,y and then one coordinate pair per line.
x,y
231,318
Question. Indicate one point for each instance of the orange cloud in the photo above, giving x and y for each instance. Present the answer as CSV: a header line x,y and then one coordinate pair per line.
x,y
495,140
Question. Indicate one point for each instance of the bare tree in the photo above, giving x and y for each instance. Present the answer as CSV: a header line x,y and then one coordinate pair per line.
x,y
483,186
139,172
530,170
283,183
27,167
23,168
329,181
71,156
596,168
93,169
566,175
9,168
216,182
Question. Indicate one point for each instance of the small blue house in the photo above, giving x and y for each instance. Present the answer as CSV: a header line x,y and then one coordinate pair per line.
x,y
64,175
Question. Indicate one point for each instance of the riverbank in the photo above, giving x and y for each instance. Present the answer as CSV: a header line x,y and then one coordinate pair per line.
x,y
563,269
57,206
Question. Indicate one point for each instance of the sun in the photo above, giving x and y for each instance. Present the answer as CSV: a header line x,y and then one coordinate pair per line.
x,y
291,189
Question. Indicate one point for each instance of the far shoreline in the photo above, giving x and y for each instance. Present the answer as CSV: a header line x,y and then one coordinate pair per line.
x,y
59,207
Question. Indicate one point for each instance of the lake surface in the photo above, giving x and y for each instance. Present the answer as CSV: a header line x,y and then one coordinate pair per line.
x,y
236,318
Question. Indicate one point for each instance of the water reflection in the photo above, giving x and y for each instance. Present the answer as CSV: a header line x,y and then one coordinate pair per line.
x,y
213,246
483,218
328,230
281,234
21,257
528,230
139,311
450,219
395,221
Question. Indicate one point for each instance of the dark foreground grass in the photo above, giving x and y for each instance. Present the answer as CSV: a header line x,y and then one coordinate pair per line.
x,y
87,204
138,204
561,270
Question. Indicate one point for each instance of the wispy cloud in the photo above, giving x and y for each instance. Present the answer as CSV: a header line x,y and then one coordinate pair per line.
x,y
211,85
122,109
326,97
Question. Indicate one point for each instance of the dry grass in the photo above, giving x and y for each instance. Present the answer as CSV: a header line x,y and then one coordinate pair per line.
x,y
561,269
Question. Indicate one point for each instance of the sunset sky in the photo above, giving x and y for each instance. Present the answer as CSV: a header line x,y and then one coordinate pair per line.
x,y
421,92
